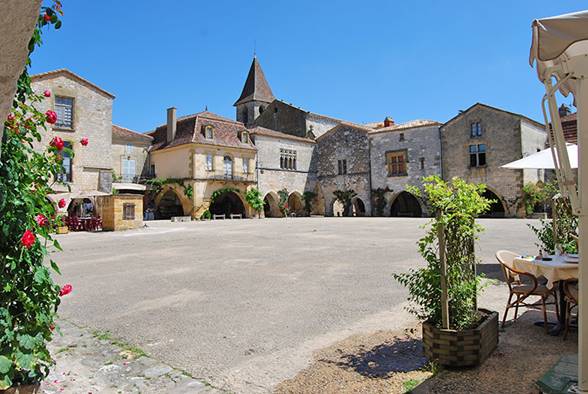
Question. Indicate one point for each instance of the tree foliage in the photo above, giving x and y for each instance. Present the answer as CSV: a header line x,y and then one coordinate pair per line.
x,y
345,197
29,297
283,202
308,197
457,204
565,222
253,198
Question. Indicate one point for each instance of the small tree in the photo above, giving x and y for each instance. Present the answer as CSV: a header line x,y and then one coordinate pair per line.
x,y
308,198
345,197
379,197
445,291
283,202
560,230
253,198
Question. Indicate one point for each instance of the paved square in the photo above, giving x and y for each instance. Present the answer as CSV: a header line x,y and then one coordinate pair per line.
x,y
244,303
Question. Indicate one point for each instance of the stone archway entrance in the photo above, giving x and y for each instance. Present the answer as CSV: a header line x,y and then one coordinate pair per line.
x,y
406,205
295,204
226,204
497,209
358,207
169,206
271,208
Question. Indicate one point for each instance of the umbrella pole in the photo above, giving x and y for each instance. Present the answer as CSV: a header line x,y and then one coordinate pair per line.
x,y
581,96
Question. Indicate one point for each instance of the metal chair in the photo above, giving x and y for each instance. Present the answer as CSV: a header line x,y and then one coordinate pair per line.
x,y
571,296
523,289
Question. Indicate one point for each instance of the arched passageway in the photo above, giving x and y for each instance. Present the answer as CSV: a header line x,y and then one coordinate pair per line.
x,y
226,204
358,207
295,204
169,206
497,209
406,205
271,209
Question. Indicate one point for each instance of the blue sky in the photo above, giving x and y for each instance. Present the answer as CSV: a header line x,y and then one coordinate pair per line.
x,y
359,61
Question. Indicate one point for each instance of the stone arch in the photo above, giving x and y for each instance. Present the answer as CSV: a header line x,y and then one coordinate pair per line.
x,y
497,207
171,202
228,203
271,208
296,204
358,207
406,205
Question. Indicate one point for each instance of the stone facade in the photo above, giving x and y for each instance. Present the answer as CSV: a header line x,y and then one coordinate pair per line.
x,y
349,144
121,211
92,118
130,154
506,137
421,146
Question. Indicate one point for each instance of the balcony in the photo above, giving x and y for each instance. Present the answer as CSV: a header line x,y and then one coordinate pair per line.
x,y
248,178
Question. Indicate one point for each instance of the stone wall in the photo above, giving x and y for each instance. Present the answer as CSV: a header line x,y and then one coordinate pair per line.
x,y
533,139
138,152
350,143
283,117
111,209
319,125
92,118
501,133
423,147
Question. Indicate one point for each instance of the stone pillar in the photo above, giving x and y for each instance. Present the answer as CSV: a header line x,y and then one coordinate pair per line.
x,y
17,22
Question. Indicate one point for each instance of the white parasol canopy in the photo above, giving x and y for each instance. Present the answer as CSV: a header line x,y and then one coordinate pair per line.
x,y
543,159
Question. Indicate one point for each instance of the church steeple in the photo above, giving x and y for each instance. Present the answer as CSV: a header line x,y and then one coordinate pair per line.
x,y
256,95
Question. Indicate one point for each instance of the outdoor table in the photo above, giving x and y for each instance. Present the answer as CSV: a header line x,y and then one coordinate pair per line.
x,y
556,271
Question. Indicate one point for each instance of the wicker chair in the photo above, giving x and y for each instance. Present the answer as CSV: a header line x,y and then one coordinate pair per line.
x,y
571,296
522,289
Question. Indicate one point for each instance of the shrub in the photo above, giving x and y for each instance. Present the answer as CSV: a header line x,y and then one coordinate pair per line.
x,y
206,215
283,202
457,204
308,198
567,228
253,198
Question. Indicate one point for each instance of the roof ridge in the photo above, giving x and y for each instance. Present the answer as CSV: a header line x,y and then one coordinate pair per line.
x,y
71,73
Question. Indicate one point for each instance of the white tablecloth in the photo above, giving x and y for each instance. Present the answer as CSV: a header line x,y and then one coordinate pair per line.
x,y
554,270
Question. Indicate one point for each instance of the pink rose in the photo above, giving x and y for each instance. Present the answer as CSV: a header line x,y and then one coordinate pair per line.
x,y
65,290
51,116
57,143
47,93
61,203
28,239
41,220
84,141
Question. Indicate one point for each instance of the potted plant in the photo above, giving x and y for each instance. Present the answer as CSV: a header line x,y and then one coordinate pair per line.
x,y
61,226
443,295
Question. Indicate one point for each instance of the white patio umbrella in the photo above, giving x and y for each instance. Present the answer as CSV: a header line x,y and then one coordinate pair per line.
x,y
544,160
560,52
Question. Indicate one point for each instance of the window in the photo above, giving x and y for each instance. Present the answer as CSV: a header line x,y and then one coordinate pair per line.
x,y
128,170
475,129
128,149
64,111
209,163
261,108
342,167
128,211
422,161
401,137
66,162
152,170
287,159
228,162
396,162
208,132
477,155
245,165
244,137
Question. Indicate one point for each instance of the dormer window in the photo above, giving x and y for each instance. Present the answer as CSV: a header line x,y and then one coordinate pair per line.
x,y
244,137
208,132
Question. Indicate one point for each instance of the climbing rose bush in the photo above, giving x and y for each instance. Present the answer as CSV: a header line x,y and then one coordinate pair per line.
x,y
29,297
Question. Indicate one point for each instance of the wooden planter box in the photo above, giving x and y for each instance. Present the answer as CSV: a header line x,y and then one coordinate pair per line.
x,y
27,389
466,348
62,230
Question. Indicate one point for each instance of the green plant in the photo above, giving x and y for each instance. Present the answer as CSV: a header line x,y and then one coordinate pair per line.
x,y
533,194
308,198
345,197
206,215
379,197
283,202
217,193
28,295
564,224
157,185
452,233
253,198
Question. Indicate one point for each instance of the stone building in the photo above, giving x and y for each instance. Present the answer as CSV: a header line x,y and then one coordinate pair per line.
x,y
401,155
199,155
130,154
83,110
344,165
478,141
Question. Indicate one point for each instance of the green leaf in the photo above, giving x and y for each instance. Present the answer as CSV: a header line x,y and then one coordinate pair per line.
x,y
24,361
55,267
5,365
5,383
27,341
58,25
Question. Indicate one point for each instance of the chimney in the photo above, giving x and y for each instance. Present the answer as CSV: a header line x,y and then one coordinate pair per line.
x,y
388,122
564,110
172,124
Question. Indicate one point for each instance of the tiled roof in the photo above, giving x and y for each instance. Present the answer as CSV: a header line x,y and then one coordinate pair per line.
x,y
64,71
190,129
129,135
569,124
278,134
407,125
256,86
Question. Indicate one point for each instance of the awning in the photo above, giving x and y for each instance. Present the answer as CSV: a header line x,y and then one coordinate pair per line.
x,y
544,159
128,186
79,194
